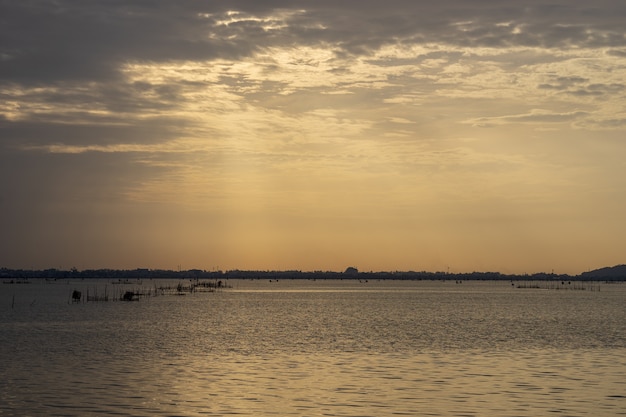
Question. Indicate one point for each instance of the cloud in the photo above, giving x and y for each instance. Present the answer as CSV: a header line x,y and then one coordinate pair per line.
x,y
48,41
616,123
580,86
564,83
254,111
536,116
617,52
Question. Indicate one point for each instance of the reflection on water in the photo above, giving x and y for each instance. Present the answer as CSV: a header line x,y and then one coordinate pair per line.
x,y
316,348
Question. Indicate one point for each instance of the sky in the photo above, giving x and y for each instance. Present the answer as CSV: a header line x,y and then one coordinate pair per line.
x,y
406,135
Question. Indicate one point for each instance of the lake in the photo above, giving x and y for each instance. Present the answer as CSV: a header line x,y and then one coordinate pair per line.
x,y
314,348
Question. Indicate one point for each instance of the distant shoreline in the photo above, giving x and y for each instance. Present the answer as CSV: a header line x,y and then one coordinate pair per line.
x,y
616,273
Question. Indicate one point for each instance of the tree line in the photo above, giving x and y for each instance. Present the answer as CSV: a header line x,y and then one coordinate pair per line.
x,y
612,274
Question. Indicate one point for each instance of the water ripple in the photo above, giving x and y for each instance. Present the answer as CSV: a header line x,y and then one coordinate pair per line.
x,y
427,351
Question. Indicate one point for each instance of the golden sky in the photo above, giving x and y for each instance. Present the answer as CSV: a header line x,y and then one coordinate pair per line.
x,y
313,135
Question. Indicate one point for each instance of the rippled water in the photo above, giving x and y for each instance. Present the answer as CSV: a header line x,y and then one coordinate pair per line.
x,y
323,348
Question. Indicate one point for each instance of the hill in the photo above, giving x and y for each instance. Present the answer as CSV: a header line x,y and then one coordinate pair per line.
x,y
610,272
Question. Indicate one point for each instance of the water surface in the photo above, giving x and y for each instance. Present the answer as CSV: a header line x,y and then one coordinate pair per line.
x,y
315,348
